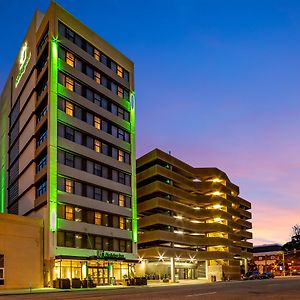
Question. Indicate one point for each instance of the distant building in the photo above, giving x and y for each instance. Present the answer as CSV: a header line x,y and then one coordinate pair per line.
x,y
272,258
192,222
268,258
67,148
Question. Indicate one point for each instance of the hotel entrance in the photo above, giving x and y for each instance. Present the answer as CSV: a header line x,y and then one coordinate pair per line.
x,y
100,271
99,275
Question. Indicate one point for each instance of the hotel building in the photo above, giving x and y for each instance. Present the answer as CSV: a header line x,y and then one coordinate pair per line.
x,y
192,222
67,151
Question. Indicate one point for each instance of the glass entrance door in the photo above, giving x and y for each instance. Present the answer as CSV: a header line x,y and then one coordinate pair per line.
x,y
99,275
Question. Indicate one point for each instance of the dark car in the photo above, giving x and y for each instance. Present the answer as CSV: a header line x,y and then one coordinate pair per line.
x,y
269,274
251,275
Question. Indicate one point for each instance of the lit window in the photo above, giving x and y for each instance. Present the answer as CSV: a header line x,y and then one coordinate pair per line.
x,y
70,59
69,213
120,92
120,71
70,84
97,77
120,155
97,122
69,186
97,146
121,200
69,108
97,54
122,223
98,218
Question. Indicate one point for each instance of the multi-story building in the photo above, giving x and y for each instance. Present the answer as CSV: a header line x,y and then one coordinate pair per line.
x,y
192,223
68,148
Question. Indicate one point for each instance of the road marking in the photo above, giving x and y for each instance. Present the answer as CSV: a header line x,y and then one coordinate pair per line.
x,y
203,294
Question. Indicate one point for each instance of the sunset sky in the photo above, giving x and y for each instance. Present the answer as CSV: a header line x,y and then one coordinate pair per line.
x,y
217,84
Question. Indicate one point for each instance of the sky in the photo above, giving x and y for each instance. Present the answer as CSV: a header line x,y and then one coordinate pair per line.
x,y
217,84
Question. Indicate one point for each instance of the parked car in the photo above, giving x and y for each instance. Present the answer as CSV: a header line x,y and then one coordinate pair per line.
x,y
269,274
251,275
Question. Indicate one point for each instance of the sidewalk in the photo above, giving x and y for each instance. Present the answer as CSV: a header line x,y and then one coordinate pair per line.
x,y
151,283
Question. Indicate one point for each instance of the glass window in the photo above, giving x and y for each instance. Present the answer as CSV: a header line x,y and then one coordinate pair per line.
x,y
119,71
97,99
78,214
98,242
78,88
113,66
96,54
97,146
97,77
89,72
98,218
121,200
70,35
120,92
122,245
69,213
114,88
69,108
105,218
70,59
78,240
69,159
69,239
104,59
126,75
78,64
70,84
61,239
122,223
69,186
98,194
97,122
69,133
97,169
120,155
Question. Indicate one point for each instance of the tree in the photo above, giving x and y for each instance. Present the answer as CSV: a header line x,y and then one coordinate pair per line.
x,y
295,240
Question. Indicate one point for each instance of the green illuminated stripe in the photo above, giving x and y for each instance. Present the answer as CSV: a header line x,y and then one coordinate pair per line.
x,y
3,165
53,136
133,166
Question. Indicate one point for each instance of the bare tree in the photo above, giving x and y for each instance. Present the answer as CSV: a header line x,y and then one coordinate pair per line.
x,y
296,232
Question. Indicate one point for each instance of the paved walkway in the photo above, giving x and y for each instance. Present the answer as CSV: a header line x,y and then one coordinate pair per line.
x,y
151,283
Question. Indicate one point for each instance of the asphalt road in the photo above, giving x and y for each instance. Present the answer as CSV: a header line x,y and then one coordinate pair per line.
x,y
287,288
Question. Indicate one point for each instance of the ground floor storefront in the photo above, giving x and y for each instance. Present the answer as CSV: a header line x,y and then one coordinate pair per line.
x,y
95,271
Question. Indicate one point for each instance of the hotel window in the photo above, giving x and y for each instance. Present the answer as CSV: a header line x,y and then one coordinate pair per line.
x,y
104,59
78,240
98,242
41,189
70,35
120,71
97,146
69,186
69,133
69,160
120,155
97,194
69,213
105,220
126,75
98,218
96,54
122,222
70,84
97,122
120,92
70,59
97,170
122,245
97,77
121,200
113,66
78,214
69,109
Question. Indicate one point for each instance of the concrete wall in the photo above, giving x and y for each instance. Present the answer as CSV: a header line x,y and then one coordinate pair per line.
x,y
21,243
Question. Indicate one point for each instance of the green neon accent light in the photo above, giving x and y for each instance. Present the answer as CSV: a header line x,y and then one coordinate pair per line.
x,y
133,166
3,165
53,136
23,61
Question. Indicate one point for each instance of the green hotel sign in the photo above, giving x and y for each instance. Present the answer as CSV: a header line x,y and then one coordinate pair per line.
x,y
23,62
107,255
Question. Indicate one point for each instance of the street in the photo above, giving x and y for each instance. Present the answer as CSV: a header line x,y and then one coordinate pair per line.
x,y
278,288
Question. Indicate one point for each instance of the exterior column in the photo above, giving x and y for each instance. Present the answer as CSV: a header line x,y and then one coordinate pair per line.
x,y
172,269
246,265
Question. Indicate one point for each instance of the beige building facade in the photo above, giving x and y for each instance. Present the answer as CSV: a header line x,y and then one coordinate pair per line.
x,y
21,252
192,222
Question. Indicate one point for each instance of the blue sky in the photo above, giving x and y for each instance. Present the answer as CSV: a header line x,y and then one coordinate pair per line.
x,y
217,83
